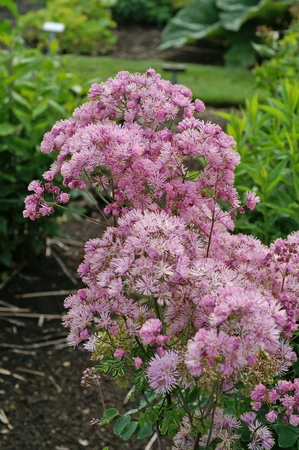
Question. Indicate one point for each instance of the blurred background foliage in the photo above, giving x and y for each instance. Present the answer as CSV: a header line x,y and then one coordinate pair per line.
x,y
267,136
88,26
230,22
36,90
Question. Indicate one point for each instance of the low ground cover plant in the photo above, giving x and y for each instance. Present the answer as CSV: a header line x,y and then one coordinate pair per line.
x,y
88,26
198,319
35,91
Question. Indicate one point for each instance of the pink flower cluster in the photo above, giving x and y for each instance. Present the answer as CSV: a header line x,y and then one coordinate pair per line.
x,y
36,206
154,262
283,399
170,291
121,142
261,436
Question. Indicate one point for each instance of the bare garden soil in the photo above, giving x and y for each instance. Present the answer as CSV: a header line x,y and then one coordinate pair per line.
x,y
42,404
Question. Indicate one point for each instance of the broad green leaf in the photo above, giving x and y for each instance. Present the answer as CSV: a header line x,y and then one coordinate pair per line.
x,y
144,431
164,426
11,5
243,11
240,54
120,424
128,430
198,19
287,435
109,415
7,129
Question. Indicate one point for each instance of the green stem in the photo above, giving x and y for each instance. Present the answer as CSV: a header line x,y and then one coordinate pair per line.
x,y
76,212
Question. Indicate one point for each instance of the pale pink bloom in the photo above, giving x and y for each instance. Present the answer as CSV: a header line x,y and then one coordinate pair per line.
x,y
162,372
271,416
120,353
150,330
138,362
251,200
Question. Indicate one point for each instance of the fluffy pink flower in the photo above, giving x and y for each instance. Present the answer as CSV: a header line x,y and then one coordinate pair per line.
x,y
120,353
150,330
138,362
162,372
251,200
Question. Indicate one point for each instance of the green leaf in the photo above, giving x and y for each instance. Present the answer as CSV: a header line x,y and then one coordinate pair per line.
x,y
198,19
10,4
275,112
128,430
57,108
40,109
131,411
6,129
109,415
240,54
144,431
120,424
287,435
21,100
237,12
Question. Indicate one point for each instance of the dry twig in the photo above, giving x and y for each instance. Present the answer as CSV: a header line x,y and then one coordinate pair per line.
x,y
59,388
64,268
28,346
46,294
4,419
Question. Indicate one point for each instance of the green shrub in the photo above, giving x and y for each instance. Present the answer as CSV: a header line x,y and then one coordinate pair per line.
x,y
281,56
267,140
145,12
233,22
35,91
88,26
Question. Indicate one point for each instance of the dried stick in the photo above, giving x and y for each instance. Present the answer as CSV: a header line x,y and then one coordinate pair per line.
x,y
151,442
37,345
33,372
64,268
45,294
29,315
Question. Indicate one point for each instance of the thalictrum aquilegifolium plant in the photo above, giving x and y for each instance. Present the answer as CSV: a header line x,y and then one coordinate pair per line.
x,y
197,319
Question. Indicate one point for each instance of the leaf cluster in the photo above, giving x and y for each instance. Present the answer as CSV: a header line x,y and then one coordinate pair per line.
x,y
35,91
88,26
280,57
233,22
145,12
267,140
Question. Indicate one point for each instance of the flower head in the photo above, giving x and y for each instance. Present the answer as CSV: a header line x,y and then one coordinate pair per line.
x,y
162,372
